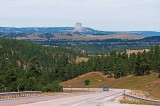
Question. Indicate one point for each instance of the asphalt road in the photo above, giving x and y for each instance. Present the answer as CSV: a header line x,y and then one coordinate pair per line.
x,y
25,100
98,98
76,100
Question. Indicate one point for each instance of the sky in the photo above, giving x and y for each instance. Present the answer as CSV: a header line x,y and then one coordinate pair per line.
x,y
106,15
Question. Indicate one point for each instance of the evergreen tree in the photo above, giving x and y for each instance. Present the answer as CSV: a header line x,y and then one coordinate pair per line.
x,y
34,67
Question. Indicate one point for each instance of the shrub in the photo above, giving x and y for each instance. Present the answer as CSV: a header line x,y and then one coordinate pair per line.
x,y
52,87
86,82
148,72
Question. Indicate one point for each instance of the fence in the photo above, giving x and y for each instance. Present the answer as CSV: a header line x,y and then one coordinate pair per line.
x,y
139,99
10,95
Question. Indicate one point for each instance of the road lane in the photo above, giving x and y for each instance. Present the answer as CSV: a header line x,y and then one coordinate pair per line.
x,y
75,100
24,100
98,98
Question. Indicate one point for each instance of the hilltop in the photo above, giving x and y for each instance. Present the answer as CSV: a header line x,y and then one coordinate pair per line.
x,y
149,83
67,36
77,29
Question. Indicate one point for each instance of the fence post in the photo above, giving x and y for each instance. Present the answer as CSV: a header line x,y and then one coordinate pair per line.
x,y
124,94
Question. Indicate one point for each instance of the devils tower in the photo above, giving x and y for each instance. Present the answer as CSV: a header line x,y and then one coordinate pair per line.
x,y
78,28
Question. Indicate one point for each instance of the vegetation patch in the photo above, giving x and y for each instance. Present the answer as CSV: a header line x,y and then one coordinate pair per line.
x,y
64,91
141,103
31,67
87,82
78,60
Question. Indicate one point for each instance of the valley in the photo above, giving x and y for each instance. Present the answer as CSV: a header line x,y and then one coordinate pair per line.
x,y
84,39
79,52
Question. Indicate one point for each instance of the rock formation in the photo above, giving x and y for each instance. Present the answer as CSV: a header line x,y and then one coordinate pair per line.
x,y
78,28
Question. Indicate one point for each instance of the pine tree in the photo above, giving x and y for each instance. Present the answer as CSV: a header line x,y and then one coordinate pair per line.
x,y
34,67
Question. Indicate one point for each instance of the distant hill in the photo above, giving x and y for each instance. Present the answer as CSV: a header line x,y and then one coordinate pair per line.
x,y
145,33
67,36
89,43
151,39
85,31
36,29
87,40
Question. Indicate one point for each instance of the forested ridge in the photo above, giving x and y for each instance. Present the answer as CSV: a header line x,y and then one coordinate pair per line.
x,y
97,47
35,67
84,43
121,64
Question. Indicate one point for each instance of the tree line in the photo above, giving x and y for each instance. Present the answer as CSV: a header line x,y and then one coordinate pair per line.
x,y
121,64
35,67
32,66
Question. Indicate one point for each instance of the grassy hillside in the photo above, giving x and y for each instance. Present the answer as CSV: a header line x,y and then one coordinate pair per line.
x,y
149,83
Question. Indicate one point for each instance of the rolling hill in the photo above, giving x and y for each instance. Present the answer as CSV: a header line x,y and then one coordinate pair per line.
x,y
67,36
148,83
87,31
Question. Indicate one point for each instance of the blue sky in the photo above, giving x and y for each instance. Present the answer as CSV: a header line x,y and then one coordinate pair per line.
x,y
108,15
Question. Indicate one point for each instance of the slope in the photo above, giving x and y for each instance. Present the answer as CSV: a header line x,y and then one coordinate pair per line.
x,y
33,67
21,51
149,83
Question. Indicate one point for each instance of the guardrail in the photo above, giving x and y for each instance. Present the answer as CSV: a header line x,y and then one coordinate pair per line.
x,y
10,95
85,89
140,99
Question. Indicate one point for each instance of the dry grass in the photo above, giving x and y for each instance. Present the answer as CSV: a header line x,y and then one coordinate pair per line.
x,y
142,103
136,51
78,60
95,78
65,91
148,83
73,36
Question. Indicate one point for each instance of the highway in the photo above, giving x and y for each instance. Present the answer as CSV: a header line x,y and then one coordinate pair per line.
x,y
98,98
79,100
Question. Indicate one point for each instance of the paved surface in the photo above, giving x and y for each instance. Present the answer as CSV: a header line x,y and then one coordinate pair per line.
x,y
98,98
25,100
76,100
105,101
